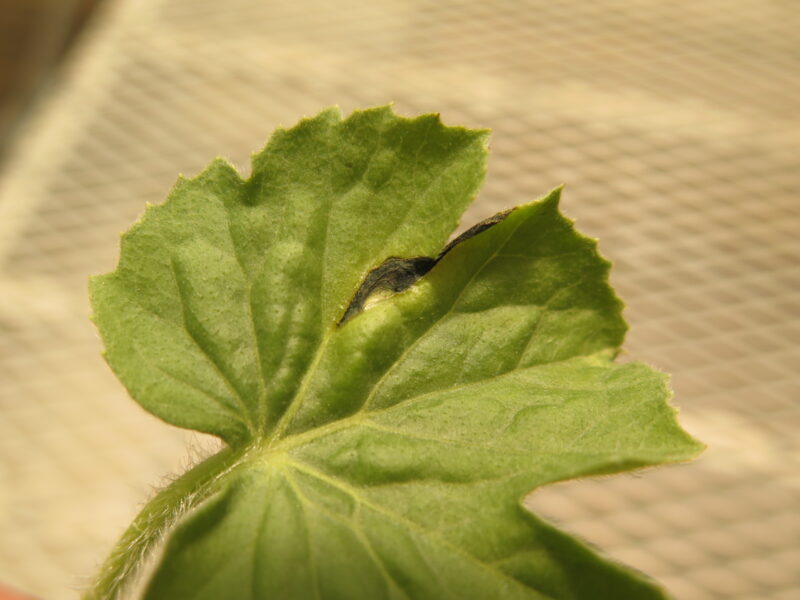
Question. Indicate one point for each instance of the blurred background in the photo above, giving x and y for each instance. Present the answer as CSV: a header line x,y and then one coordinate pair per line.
x,y
675,125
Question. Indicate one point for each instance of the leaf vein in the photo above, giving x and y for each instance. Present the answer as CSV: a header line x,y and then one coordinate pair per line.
x,y
307,525
357,530
262,392
405,522
201,346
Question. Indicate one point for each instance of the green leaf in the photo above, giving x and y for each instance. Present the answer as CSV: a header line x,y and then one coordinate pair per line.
x,y
224,293
388,411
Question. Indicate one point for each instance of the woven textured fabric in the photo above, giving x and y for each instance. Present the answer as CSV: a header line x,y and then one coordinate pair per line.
x,y
675,126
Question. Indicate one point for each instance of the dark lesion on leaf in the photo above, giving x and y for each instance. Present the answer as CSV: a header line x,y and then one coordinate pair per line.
x,y
395,274
475,230
392,276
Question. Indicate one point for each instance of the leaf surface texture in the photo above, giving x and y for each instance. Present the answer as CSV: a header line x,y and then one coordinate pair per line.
x,y
385,454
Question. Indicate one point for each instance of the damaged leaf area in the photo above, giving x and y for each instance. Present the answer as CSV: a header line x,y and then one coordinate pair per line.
x,y
398,274
387,398
392,276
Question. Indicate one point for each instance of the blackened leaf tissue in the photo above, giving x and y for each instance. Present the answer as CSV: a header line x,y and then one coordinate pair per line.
x,y
398,274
